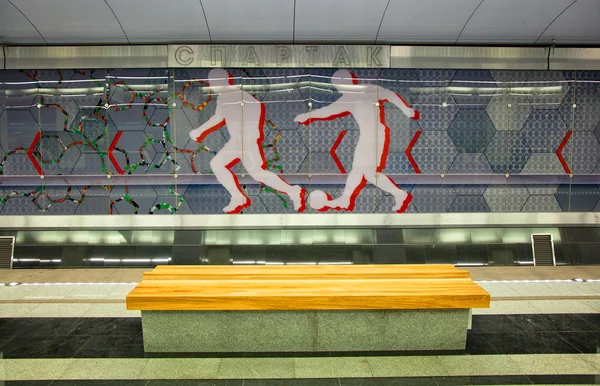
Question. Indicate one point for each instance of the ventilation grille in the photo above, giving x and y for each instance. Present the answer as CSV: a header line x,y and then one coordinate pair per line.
x,y
6,251
543,250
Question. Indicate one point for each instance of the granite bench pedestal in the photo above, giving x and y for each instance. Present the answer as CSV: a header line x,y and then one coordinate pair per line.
x,y
214,309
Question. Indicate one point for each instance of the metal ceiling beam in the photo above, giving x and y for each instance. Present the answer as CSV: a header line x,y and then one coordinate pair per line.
x,y
491,58
290,56
82,57
574,59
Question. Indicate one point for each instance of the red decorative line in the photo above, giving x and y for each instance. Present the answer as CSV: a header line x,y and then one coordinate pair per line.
x,y
111,148
30,153
247,201
334,148
409,149
330,118
561,148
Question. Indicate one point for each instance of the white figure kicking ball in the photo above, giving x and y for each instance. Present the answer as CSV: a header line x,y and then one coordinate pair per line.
x,y
365,103
244,116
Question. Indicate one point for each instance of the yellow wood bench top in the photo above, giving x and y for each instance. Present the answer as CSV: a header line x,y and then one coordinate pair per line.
x,y
302,287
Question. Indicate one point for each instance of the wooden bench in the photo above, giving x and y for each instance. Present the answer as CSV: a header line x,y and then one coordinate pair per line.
x,y
306,307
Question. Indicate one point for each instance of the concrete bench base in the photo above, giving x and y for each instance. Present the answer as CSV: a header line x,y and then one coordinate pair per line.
x,y
305,331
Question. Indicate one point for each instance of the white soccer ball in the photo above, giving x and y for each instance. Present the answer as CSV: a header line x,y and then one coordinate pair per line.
x,y
317,199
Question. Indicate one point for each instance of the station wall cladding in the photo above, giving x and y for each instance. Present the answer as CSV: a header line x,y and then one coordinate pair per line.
x,y
237,141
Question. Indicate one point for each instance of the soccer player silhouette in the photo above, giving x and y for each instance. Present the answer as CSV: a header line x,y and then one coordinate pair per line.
x,y
365,103
244,116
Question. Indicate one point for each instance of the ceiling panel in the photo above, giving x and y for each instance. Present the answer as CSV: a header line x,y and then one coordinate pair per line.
x,y
316,21
511,21
428,21
257,20
157,20
580,24
73,21
338,20
15,28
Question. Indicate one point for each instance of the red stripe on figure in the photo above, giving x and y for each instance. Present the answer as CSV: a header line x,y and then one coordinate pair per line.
x,y
403,101
326,208
216,127
247,203
302,207
355,194
406,201
261,135
386,138
404,206
331,118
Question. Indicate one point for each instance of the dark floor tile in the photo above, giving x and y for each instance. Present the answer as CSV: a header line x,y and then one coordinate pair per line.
x,y
41,347
495,323
25,383
477,344
530,343
292,382
130,342
593,319
287,354
43,327
109,326
193,355
554,323
202,382
4,321
103,382
586,342
482,380
565,379
5,341
416,381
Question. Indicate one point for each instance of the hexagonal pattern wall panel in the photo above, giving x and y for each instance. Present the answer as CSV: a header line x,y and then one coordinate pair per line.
x,y
508,152
551,87
544,131
539,203
471,130
432,198
470,163
469,204
434,152
463,132
506,198
508,112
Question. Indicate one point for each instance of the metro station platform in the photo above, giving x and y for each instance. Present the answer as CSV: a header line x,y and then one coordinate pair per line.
x,y
70,327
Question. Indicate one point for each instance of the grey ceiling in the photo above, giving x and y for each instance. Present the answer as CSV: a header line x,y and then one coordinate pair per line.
x,y
526,22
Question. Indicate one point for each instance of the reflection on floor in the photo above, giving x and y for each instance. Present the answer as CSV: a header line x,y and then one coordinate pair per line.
x,y
540,331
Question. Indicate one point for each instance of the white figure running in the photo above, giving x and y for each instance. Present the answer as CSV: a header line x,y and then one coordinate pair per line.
x,y
244,116
365,103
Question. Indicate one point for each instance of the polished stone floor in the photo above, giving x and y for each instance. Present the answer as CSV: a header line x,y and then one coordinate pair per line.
x,y
122,338
70,327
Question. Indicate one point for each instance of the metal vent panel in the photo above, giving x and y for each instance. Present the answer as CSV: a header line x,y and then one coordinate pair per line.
x,y
6,252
